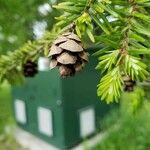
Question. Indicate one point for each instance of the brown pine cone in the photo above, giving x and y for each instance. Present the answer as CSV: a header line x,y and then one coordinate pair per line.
x,y
30,69
128,84
141,56
68,54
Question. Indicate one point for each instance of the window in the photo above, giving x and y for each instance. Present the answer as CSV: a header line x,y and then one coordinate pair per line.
x,y
45,121
87,122
20,111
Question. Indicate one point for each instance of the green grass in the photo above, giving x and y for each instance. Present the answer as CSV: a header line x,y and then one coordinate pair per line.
x,y
7,140
5,106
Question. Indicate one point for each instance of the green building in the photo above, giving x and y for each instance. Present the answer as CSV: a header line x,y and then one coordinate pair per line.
x,y
60,111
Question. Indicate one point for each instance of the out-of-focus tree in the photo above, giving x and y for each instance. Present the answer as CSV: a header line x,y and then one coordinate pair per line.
x,y
23,20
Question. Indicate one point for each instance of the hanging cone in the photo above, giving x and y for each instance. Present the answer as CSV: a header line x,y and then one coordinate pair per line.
x,y
128,84
30,69
68,54
66,71
141,56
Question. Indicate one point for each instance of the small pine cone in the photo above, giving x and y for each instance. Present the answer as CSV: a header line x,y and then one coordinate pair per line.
x,y
141,56
128,84
68,54
30,69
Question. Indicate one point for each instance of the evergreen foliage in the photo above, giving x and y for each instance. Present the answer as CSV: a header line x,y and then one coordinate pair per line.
x,y
121,28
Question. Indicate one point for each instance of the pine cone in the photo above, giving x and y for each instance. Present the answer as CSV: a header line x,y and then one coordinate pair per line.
x,y
128,84
68,54
30,69
141,56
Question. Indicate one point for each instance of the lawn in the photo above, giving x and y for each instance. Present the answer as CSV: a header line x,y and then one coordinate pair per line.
x,y
7,141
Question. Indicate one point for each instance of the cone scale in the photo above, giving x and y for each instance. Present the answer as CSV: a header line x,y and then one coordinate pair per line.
x,y
68,54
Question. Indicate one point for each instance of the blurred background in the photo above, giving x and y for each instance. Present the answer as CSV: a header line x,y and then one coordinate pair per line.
x,y
127,126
